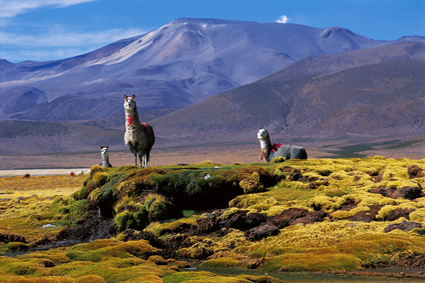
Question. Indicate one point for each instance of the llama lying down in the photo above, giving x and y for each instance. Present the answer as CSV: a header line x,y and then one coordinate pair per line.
x,y
270,152
138,137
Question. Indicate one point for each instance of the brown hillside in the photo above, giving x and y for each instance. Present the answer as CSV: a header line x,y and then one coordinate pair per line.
x,y
324,97
29,138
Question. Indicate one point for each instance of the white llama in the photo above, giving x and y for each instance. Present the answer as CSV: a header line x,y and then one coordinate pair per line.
x,y
270,152
104,150
139,137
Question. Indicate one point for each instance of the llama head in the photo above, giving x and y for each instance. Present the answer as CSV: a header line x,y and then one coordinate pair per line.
x,y
129,103
104,150
262,134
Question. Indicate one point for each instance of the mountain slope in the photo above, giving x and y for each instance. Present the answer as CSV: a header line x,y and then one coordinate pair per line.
x,y
181,63
371,92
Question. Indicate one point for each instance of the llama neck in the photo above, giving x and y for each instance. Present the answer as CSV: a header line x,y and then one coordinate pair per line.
x,y
132,118
265,148
266,145
105,157
105,160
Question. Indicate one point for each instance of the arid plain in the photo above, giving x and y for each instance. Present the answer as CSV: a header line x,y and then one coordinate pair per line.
x,y
224,154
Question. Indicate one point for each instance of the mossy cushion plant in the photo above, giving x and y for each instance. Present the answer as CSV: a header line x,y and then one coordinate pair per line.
x,y
358,199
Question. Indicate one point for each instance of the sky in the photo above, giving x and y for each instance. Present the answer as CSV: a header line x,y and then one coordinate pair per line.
x,y
43,30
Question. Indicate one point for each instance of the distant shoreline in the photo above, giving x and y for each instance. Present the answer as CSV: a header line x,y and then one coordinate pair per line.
x,y
41,172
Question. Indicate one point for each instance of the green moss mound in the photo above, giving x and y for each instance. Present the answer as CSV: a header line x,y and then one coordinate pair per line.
x,y
134,198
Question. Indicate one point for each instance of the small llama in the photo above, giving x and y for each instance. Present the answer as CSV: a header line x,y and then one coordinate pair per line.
x,y
271,151
139,137
104,150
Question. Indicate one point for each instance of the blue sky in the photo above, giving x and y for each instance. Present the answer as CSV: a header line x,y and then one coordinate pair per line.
x,y
42,30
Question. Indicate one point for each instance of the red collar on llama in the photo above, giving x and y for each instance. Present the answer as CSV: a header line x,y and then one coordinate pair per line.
x,y
146,126
130,122
275,146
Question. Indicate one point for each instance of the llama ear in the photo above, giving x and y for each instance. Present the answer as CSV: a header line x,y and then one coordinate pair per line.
x,y
125,96
133,96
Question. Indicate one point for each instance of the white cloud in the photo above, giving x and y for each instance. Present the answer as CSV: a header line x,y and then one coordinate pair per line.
x,y
60,37
11,8
58,43
283,19
41,54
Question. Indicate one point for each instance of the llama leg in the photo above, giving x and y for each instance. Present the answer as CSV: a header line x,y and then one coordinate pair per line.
x,y
142,163
135,160
145,160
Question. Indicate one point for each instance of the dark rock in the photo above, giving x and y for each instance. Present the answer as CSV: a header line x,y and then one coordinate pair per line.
x,y
316,216
262,231
296,174
255,263
48,263
367,216
415,172
8,238
174,243
87,230
92,228
384,191
242,220
404,226
378,179
178,241
399,212
349,205
408,192
209,222
287,217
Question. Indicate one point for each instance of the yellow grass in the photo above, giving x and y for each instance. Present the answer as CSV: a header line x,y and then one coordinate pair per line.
x,y
35,196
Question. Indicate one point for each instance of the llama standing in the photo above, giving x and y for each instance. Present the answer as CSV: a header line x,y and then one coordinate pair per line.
x,y
104,150
270,152
139,137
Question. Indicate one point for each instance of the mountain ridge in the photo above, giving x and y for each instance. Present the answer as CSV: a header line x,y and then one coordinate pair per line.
x,y
181,63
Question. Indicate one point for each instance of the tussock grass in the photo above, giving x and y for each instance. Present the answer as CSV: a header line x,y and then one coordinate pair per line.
x,y
36,196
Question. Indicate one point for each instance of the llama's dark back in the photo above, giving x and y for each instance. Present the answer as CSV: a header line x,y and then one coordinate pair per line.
x,y
290,152
148,139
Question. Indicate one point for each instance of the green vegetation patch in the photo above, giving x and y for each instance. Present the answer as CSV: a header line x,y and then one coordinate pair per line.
x,y
101,250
